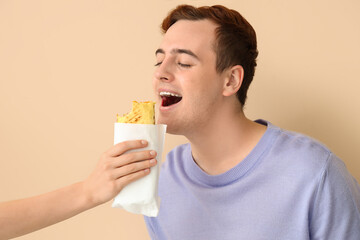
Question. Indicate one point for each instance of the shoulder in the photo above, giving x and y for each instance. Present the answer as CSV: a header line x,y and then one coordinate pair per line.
x,y
295,145
296,155
301,149
302,155
299,142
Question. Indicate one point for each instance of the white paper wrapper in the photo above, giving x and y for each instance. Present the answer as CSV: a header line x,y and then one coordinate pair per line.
x,y
141,196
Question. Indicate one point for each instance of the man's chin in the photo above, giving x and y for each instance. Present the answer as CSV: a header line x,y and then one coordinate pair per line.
x,y
173,131
172,127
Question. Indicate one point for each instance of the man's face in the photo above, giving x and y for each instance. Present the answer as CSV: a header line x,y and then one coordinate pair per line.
x,y
185,80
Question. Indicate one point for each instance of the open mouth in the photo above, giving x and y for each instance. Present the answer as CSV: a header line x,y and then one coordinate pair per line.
x,y
169,99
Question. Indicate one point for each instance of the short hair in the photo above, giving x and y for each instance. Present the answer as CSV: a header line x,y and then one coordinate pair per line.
x,y
235,39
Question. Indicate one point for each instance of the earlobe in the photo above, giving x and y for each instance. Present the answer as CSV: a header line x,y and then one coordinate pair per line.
x,y
233,80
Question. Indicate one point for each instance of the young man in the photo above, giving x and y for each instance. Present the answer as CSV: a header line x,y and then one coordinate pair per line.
x,y
237,179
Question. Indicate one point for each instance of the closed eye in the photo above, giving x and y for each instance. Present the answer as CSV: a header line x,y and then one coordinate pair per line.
x,y
157,64
184,65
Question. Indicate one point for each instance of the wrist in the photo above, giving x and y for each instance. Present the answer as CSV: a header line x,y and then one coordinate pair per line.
x,y
88,197
84,196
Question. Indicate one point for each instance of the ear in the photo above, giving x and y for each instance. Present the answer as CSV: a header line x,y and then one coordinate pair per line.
x,y
233,80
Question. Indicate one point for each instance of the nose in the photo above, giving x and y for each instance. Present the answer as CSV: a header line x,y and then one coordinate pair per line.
x,y
164,72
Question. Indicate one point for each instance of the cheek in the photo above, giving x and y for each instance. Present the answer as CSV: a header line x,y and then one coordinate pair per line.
x,y
201,87
194,83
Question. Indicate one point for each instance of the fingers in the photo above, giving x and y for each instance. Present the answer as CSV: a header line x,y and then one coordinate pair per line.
x,y
125,180
134,169
125,146
118,167
133,157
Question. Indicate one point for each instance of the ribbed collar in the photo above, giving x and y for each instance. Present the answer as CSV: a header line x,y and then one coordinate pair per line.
x,y
235,173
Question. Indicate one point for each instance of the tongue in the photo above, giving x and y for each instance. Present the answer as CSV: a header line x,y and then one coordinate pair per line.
x,y
167,101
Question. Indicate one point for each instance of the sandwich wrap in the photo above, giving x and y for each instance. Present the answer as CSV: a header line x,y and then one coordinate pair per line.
x,y
141,196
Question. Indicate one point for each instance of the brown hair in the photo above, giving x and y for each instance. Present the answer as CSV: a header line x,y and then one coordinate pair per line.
x,y
235,39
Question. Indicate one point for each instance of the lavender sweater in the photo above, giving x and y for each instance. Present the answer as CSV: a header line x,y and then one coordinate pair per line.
x,y
289,187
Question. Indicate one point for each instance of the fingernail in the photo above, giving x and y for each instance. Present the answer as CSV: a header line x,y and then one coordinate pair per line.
x,y
143,142
152,161
152,153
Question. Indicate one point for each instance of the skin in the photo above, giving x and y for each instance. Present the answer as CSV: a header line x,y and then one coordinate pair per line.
x,y
209,114
115,169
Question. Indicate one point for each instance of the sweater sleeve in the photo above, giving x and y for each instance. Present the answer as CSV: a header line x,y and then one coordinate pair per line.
x,y
335,213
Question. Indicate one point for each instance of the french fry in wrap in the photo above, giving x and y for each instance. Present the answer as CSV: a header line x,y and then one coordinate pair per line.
x,y
141,196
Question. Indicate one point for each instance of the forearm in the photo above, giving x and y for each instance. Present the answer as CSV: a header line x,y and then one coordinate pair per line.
x,y
26,215
115,170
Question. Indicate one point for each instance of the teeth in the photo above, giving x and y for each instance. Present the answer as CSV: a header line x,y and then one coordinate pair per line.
x,y
167,94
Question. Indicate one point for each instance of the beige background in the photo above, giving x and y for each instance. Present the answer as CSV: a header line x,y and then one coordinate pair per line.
x,y
68,67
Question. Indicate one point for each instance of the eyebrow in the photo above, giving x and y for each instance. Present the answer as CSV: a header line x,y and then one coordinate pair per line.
x,y
177,51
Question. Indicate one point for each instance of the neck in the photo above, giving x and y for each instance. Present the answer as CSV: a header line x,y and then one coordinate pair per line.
x,y
224,141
